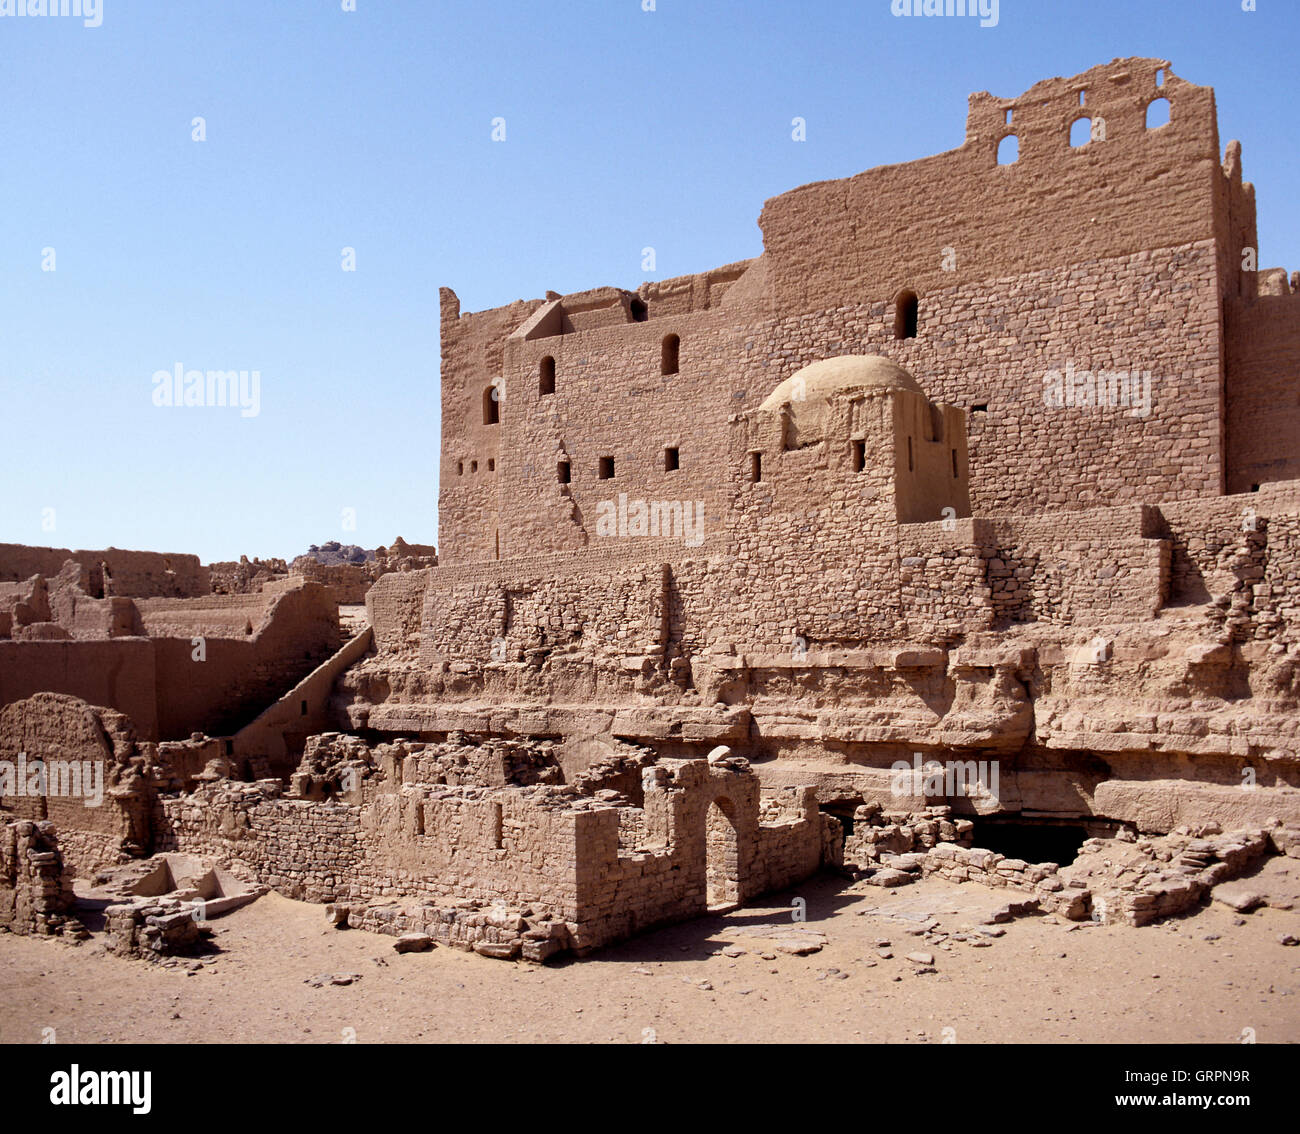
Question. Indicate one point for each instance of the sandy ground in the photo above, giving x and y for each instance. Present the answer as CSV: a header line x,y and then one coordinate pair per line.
x,y
1197,979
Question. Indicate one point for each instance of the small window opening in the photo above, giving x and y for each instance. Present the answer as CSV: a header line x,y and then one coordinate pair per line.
x,y
755,467
640,312
492,464
1158,113
606,468
1254,488
671,354
304,709
1009,150
672,460
980,407
473,466
491,406
460,468
1160,77
1082,99
954,464
546,376
905,315
1007,118
230,747
1080,132
564,472
859,456
909,455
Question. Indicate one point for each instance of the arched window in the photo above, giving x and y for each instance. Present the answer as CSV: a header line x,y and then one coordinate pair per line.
x,y
905,315
1009,150
1080,132
491,405
1158,113
546,376
671,351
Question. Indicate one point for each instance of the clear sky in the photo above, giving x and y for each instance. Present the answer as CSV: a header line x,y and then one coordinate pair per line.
x,y
372,129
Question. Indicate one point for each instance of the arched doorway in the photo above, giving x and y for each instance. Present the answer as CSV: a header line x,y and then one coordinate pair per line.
x,y
722,855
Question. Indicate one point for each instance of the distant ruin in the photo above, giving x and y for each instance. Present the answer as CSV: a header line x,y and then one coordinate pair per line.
x,y
981,462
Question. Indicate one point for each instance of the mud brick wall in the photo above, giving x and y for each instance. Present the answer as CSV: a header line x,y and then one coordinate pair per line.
x,y
132,574
121,673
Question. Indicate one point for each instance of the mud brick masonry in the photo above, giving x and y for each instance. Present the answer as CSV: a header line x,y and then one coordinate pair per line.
x,y
991,456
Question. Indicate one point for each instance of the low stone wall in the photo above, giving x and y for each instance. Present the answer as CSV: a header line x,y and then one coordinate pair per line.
x,y
35,895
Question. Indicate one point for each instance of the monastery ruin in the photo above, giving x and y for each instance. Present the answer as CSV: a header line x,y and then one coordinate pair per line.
x,y
965,516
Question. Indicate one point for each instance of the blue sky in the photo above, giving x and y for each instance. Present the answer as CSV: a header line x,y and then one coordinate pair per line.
x,y
372,130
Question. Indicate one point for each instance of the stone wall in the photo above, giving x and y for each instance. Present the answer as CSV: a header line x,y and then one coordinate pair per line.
x,y
34,894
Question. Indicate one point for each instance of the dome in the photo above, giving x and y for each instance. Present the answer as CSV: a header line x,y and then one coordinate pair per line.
x,y
819,380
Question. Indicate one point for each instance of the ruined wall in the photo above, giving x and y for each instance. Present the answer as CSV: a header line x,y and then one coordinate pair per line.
x,y
238,677
93,777
210,664
130,574
34,893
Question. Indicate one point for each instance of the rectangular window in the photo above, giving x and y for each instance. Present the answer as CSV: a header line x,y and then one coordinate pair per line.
x,y
671,460
755,467
859,455
909,455
564,472
606,468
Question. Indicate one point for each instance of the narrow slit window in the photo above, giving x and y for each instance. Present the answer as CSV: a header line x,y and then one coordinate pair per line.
x,y
859,456
905,315
491,406
492,464
672,460
304,709
955,473
755,467
563,472
460,468
546,376
670,355
910,467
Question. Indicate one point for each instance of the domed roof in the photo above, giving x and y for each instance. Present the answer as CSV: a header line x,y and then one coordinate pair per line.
x,y
818,380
